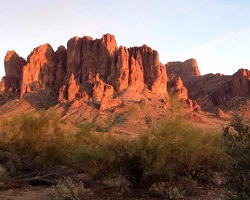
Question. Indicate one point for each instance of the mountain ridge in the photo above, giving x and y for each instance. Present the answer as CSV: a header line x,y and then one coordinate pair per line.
x,y
97,71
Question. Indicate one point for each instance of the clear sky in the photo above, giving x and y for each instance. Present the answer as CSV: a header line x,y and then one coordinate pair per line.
x,y
215,32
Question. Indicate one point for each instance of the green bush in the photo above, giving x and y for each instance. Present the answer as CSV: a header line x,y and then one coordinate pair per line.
x,y
172,149
175,148
237,145
40,136
96,152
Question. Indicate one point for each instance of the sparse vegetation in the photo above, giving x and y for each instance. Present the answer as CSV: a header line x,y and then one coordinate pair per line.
x,y
171,150
237,145
167,191
169,159
68,190
40,137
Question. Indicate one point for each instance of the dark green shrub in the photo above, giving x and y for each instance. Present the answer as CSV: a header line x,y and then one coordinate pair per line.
x,y
96,152
237,145
132,167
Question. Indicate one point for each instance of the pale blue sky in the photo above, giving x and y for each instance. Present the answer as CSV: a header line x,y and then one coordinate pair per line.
x,y
215,32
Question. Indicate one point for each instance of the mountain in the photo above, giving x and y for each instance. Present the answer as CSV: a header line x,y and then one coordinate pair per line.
x,y
94,70
213,90
96,75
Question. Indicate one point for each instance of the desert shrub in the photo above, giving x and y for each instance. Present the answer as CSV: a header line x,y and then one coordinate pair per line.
x,y
110,155
3,173
120,191
142,103
96,152
167,191
68,190
40,136
237,145
175,148
172,149
178,110
132,167
103,127
87,127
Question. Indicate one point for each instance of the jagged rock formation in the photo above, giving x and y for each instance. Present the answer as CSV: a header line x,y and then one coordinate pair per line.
x,y
186,70
39,70
176,88
13,65
89,69
97,71
211,90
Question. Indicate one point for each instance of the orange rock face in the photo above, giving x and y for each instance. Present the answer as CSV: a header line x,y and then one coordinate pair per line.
x,y
91,69
177,88
185,70
101,69
97,70
39,70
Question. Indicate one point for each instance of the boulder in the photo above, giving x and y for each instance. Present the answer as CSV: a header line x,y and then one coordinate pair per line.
x,y
218,112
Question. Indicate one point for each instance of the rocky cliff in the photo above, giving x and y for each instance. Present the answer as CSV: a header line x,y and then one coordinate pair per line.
x,y
92,69
13,65
97,71
211,90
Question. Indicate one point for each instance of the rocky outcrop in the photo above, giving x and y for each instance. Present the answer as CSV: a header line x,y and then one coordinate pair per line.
x,y
240,83
117,68
179,91
192,105
218,112
94,70
177,88
102,69
210,90
39,70
186,70
60,66
13,65
230,92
